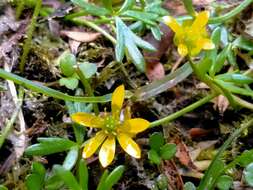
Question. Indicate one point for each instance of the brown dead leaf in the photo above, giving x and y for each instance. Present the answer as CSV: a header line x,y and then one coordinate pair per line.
x,y
184,156
80,36
198,132
155,71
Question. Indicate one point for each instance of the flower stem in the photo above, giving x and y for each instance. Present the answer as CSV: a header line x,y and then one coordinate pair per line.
x,y
184,110
31,28
87,87
230,14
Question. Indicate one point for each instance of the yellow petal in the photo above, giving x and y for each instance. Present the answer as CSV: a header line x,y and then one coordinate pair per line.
x,y
92,145
117,100
182,50
127,113
201,20
172,23
87,120
136,125
129,146
207,44
107,151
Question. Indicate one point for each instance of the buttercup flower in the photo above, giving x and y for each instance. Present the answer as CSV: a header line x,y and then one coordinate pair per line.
x,y
112,128
191,37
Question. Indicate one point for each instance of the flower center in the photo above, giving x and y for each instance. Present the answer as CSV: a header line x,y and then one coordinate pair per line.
x,y
110,125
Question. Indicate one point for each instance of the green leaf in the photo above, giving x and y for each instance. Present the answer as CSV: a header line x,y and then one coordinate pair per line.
x,y
120,46
148,18
35,180
248,174
224,182
70,82
128,4
235,89
142,44
67,177
235,78
189,186
156,141
219,62
114,177
156,8
88,69
91,9
168,151
216,36
67,62
156,32
108,5
101,185
154,157
134,53
162,182
245,158
83,175
243,43
48,146
71,158
204,65
3,187
53,182
189,7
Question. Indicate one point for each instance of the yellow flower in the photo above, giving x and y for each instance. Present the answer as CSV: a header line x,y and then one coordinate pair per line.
x,y
191,37
112,128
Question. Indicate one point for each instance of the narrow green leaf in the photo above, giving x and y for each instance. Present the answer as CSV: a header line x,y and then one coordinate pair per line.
x,y
156,141
71,158
120,46
101,185
83,174
168,151
219,62
142,44
3,187
224,182
204,65
154,157
34,182
189,7
114,177
235,78
156,8
135,54
128,4
67,177
108,5
90,8
48,146
243,43
156,32
148,18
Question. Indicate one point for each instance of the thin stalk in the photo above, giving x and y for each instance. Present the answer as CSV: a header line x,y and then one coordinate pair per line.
x,y
87,87
95,27
183,111
229,15
28,41
208,174
20,8
10,124
37,87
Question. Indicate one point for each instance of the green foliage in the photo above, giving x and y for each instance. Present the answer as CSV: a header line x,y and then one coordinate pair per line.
x,y
224,182
189,186
3,187
35,180
67,62
160,151
248,174
49,145
88,69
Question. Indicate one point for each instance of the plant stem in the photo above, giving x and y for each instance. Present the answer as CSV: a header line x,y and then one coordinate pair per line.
x,y
20,8
37,87
208,177
230,14
95,27
184,110
9,126
31,28
87,87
